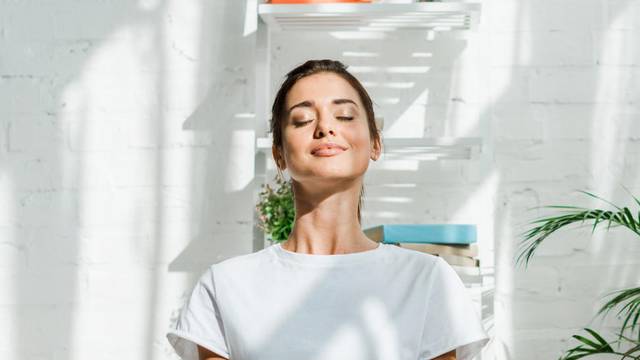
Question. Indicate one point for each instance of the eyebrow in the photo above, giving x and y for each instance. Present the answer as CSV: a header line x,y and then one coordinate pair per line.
x,y
308,103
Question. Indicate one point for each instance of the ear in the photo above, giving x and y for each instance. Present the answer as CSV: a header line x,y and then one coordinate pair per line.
x,y
277,156
375,150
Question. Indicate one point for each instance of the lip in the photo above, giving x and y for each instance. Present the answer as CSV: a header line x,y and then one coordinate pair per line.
x,y
328,149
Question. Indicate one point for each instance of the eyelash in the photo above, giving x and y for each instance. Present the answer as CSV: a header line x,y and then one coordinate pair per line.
x,y
339,117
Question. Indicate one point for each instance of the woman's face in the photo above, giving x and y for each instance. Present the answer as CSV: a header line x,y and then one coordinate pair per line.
x,y
325,108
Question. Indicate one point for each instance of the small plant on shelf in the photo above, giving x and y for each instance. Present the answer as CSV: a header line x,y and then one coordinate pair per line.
x,y
628,299
276,209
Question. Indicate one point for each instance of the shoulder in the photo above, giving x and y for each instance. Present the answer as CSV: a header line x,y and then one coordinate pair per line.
x,y
239,263
412,256
416,261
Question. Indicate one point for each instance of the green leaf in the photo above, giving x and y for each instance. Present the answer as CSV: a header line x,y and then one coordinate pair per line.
x,y
598,197
631,221
595,223
589,347
603,342
586,341
635,198
630,301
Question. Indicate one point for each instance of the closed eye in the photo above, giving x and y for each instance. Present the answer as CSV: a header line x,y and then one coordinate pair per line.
x,y
343,118
298,124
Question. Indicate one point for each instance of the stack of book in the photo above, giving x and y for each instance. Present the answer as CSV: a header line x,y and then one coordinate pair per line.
x,y
454,243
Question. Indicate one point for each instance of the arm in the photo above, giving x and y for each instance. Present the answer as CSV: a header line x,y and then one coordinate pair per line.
x,y
451,355
206,354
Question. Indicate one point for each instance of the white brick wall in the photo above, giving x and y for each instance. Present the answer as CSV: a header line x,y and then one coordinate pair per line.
x,y
126,165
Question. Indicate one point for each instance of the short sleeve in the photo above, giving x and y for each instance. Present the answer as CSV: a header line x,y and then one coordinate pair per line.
x,y
452,320
199,322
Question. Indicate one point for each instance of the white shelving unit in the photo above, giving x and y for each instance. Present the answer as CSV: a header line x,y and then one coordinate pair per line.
x,y
359,17
370,16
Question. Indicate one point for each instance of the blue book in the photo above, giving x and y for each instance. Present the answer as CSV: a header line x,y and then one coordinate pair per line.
x,y
450,234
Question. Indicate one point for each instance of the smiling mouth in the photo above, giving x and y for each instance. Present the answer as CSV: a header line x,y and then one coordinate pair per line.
x,y
328,152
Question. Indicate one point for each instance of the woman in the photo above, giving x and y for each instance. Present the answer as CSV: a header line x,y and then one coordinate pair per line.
x,y
328,291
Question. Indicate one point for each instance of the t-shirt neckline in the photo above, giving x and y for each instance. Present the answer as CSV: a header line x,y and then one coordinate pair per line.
x,y
334,259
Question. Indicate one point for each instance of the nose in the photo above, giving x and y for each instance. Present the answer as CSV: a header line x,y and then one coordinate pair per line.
x,y
325,126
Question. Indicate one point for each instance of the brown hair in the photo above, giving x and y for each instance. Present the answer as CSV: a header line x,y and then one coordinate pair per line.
x,y
311,67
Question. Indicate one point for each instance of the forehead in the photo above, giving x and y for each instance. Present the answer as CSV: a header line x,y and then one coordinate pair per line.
x,y
321,88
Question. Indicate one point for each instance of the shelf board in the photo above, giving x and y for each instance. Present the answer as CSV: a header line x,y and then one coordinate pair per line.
x,y
371,16
420,149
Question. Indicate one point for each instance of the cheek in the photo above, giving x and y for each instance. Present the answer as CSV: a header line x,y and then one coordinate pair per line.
x,y
361,138
294,145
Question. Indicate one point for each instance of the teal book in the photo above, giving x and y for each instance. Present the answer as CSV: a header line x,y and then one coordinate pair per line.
x,y
450,234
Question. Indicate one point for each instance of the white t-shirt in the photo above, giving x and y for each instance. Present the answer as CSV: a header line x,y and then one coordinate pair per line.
x,y
274,304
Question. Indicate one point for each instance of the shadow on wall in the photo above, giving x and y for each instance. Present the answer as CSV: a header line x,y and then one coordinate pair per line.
x,y
99,169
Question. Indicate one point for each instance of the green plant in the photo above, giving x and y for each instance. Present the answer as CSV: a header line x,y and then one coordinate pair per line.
x,y
629,299
276,209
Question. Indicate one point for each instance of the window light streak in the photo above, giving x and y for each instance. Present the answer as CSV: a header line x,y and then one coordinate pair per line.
x,y
376,316
356,35
361,54
390,69
244,115
391,101
431,35
421,55
389,85
240,173
250,17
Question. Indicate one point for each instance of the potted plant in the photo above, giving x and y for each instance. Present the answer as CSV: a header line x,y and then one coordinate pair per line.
x,y
276,209
628,299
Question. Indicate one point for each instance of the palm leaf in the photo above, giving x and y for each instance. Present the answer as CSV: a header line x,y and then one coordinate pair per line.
x,y
597,345
630,299
631,352
634,198
635,350
544,227
599,198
